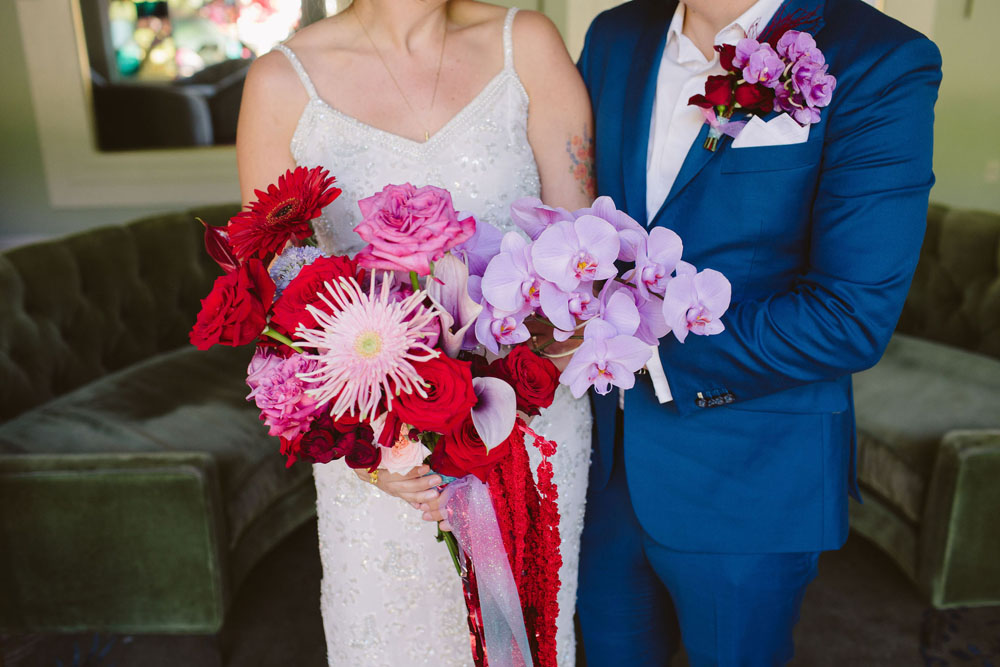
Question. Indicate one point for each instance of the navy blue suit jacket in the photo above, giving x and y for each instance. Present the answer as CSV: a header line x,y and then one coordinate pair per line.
x,y
820,241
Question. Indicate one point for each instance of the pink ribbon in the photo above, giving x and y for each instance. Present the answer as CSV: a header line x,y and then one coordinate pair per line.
x,y
720,126
474,524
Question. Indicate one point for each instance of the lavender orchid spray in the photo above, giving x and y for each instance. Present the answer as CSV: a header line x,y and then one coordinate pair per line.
x,y
566,277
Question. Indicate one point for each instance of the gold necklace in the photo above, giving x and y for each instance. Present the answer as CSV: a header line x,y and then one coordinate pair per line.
x,y
437,76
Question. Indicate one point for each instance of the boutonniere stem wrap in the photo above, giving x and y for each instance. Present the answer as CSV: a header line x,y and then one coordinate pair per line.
x,y
789,74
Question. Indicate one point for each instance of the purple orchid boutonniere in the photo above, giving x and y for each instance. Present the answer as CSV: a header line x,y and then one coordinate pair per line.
x,y
789,73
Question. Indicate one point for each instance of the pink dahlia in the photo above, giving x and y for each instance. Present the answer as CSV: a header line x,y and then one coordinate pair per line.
x,y
280,394
365,346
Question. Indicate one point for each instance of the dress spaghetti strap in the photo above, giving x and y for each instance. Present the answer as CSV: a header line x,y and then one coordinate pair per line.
x,y
299,69
508,39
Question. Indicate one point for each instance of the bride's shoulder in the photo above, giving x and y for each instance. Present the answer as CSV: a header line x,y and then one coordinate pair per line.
x,y
531,28
275,71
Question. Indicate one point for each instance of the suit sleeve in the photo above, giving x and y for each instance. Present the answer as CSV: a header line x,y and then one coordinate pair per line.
x,y
868,221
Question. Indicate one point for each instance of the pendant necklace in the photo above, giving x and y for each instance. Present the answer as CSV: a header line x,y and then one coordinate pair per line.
x,y
437,76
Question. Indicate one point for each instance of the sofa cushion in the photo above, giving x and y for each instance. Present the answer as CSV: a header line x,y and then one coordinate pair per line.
x,y
919,391
181,401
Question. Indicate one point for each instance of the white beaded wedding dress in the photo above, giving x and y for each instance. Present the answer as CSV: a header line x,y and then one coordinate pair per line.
x,y
390,596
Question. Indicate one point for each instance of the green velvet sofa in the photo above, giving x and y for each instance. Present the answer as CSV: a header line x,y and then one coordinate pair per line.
x,y
137,486
929,419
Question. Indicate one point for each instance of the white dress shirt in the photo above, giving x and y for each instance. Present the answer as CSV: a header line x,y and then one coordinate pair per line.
x,y
675,124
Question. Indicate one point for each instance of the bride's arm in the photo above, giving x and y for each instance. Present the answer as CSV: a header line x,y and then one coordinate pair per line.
x,y
560,121
272,101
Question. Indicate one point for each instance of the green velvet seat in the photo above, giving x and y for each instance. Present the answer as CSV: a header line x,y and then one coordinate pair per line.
x,y
929,419
137,485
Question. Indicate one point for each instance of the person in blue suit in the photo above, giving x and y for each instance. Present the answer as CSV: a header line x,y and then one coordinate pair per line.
x,y
712,500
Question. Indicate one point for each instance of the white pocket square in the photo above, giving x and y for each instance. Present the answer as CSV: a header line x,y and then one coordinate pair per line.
x,y
782,130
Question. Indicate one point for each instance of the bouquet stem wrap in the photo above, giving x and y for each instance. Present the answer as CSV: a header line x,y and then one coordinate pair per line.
x,y
474,523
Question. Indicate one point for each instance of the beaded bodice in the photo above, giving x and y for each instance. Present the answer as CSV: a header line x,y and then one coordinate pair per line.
x,y
482,155
389,594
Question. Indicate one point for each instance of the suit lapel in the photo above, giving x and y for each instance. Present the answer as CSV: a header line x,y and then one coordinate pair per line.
x,y
698,156
640,92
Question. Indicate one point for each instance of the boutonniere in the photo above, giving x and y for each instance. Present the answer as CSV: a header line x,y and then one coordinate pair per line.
x,y
789,74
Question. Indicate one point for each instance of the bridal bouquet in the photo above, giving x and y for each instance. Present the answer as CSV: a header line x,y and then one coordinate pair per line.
x,y
372,360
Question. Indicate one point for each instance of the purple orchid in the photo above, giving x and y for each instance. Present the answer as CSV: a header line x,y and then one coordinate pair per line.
x,y
818,90
457,311
652,327
630,232
571,253
532,216
480,248
510,282
744,49
495,411
764,66
619,316
605,358
655,260
497,327
795,43
565,309
694,302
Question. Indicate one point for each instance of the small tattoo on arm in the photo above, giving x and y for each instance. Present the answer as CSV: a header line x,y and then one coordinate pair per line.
x,y
581,155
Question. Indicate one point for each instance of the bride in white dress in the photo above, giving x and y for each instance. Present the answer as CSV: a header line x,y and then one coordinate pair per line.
x,y
457,94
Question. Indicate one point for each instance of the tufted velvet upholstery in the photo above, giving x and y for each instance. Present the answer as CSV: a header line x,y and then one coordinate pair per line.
x,y
74,309
137,486
929,418
955,297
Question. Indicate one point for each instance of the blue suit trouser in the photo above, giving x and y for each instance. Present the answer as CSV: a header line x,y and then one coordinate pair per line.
x,y
732,609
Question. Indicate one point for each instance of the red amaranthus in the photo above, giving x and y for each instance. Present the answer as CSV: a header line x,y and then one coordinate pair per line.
x,y
530,531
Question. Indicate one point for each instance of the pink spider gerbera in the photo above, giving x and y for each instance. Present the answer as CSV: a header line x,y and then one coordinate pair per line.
x,y
365,347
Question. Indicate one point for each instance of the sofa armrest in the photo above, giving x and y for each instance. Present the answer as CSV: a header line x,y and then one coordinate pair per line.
x,y
960,532
111,542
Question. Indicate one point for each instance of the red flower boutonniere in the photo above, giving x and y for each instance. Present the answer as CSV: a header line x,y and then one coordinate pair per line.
x,y
789,74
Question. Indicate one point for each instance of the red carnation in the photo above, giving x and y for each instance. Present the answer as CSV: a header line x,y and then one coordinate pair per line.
x,y
282,213
462,452
449,398
290,309
533,378
755,97
718,93
235,311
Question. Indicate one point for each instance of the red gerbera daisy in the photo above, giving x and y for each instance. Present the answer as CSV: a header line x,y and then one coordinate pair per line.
x,y
281,213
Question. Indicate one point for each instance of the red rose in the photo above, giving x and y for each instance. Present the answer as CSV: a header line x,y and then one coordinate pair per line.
x,y
462,453
755,97
726,54
290,308
328,440
533,378
718,93
364,454
235,311
320,443
449,398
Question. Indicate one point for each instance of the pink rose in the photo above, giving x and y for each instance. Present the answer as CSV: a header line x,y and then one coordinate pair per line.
x,y
405,455
280,394
407,228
